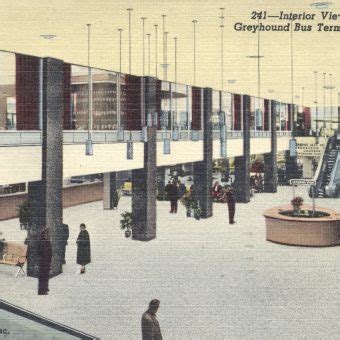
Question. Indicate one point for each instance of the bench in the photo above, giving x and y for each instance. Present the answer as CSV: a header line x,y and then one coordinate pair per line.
x,y
14,254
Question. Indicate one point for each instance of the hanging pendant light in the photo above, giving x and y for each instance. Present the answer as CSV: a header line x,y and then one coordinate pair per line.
x,y
166,146
89,142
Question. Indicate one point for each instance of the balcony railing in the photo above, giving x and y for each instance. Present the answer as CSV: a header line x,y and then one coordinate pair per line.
x,y
11,137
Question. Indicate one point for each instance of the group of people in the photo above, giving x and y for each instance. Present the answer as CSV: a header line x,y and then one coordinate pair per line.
x,y
45,253
256,183
174,190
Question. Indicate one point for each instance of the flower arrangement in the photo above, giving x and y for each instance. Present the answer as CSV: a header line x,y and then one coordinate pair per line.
x,y
297,201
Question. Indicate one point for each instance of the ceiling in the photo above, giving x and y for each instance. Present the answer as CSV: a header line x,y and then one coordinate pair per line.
x,y
23,23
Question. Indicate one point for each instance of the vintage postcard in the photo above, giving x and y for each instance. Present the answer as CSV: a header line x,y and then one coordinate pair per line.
x,y
169,169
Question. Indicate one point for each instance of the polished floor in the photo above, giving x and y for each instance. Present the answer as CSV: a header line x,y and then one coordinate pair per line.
x,y
214,280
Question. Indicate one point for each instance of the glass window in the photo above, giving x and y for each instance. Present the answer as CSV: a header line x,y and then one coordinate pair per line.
x,y
216,109
79,97
166,103
130,102
252,114
238,116
277,114
227,108
180,114
259,113
283,116
7,91
104,99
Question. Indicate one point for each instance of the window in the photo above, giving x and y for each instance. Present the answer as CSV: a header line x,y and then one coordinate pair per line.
x,y
216,109
104,99
7,91
180,113
227,108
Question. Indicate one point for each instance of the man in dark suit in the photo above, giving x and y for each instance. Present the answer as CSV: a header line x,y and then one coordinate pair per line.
x,y
64,234
150,325
231,201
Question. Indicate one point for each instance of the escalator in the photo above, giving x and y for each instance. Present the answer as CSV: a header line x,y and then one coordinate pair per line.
x,y
327,176
333,187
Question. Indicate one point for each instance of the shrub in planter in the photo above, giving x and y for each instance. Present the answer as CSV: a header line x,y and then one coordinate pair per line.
x,y
192,206
126,222
296,203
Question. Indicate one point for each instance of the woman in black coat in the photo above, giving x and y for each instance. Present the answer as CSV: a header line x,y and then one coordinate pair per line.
x,y
45,255
84,250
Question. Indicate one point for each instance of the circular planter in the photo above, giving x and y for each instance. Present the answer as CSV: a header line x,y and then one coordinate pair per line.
x,y
127,233
286,226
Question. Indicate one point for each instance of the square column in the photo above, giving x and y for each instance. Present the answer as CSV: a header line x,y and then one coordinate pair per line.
x,y
292,170
270,159
203,170
45,196
144,181
109,190
242,163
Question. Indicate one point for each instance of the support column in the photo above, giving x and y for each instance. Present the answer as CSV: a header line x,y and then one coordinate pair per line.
x,y
242,163
203,170
144,181
308,167
291,166
291,161
109,189
45,196
161,183
270,159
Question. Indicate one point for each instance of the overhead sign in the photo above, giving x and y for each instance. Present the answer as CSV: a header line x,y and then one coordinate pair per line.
x,y
309,149
302,181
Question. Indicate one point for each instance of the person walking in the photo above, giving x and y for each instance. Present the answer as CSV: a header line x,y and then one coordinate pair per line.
x,y
174,196
231,201
84,249
150,324
45,255
64,237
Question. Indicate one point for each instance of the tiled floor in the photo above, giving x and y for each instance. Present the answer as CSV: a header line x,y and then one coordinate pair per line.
x,y
214,281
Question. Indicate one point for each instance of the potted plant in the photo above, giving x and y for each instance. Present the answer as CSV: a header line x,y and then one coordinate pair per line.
x,y
126,222
188,203
197,212
296,203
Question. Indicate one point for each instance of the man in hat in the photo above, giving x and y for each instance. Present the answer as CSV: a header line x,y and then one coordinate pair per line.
x,y
45,254
150,325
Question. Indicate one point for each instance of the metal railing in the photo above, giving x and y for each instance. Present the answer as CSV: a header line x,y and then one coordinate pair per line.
x,y
12,138
260,134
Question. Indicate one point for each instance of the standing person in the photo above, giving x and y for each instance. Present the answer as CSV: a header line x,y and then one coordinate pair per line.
x,y
231,200
167,191
181,189
150,324
45,254
175,197
64,237
84,249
